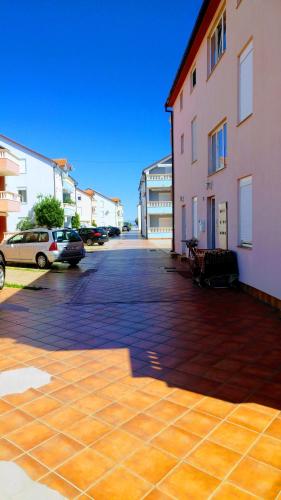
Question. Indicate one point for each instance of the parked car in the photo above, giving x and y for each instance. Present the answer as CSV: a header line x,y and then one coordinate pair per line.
x,y
91,235
43,247
2,273
126,228
113,231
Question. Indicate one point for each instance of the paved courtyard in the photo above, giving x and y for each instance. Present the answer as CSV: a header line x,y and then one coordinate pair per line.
x,y
159,389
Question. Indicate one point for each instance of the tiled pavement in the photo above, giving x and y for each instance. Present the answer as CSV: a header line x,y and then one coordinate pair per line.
x,y
160,390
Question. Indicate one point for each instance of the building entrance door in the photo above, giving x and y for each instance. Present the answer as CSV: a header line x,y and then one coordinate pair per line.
x,y
183,228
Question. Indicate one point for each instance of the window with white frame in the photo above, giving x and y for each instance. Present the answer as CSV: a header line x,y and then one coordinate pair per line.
x,y
218,148
22,163
246,82
193,79
181,101
22,192
217,42
194,139
194,217
245,212
182,143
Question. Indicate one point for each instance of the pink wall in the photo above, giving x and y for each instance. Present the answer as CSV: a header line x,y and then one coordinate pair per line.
x,y
254,147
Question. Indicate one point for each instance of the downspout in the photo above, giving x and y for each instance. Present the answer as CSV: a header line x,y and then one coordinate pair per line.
x,y
170,110
146,216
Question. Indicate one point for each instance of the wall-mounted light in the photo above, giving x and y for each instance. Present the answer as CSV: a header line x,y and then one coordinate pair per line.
x,y
209,185
182,198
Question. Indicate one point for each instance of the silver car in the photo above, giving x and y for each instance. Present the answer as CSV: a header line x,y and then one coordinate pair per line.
x,y
43,247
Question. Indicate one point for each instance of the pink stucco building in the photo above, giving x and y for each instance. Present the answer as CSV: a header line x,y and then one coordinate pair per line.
x,y
226,108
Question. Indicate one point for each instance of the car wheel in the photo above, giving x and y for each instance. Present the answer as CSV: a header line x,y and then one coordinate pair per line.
x,y
42,261
89,242
101,243
74,262
2,276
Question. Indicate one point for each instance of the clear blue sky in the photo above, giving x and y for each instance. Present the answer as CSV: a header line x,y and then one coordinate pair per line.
x,y
88,79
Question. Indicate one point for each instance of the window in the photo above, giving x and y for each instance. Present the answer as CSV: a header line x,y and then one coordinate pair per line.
x,y
246,82
181,100
182,143
193,79
22,194
18,238
218,149
245,212
217,42
79,198
194,218
194,139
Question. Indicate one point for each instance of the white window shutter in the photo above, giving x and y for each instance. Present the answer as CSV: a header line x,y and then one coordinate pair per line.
x,y
245,211
246,82
194,139
194,218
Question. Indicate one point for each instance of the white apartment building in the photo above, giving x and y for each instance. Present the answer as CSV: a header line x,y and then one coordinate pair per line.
x,y
84,207
106,211
155,215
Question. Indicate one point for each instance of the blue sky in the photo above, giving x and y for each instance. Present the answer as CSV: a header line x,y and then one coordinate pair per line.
x,y
88,79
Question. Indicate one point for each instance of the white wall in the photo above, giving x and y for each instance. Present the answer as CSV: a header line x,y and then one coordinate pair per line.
x,y
38,179
104,212
84,207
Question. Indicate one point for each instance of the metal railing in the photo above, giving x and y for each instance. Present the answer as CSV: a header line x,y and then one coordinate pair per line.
x,y
7,195
160,229
160,203
159,177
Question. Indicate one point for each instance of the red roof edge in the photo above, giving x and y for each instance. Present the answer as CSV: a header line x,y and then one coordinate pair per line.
x,y
203,21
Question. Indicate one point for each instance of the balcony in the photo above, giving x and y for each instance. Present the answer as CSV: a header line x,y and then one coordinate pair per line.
x,y
9,202
8,163
160,232
160,207
159,180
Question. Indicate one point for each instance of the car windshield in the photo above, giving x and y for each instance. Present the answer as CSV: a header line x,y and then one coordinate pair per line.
x,y
65,235
100,229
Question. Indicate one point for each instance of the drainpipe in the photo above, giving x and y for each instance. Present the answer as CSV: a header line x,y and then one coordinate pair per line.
x,y
146,215
170,110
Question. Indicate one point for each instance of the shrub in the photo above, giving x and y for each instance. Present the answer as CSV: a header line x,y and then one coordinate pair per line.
x,y
49,212
75,221
26,223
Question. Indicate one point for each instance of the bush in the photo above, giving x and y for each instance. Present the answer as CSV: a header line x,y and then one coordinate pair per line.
x,y
26,223
75,221
49,212
94,224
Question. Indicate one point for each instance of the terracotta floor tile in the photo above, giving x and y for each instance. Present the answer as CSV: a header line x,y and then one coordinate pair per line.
x,y
4,407
63,418
150,463
33,469
185,398
213,458
166,410
85,468
137,382
54,385
116,413
252,419
115,391
186,482
267,450
156,494
69,393
228,491
58,484
112,373
197,422
16,419
88,430
138,400
41,406
119,485
216,407
176,441
92,383
20,399
257,478
233,436
55,368
143,426
8,451
159,388
117,445
274,429
56,450
31,435
74,374
90,403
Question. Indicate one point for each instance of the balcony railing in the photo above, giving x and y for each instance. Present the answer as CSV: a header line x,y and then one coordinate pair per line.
x,y
9,164
160,204
159,177
160,229
9,202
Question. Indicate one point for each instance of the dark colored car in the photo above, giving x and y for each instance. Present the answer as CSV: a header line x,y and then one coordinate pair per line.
x,y
113,231
2,273
126,228
91,235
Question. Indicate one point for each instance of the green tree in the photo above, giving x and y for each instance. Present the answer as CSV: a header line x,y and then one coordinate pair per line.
x,y
49,212
75,221
26,223
94,224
